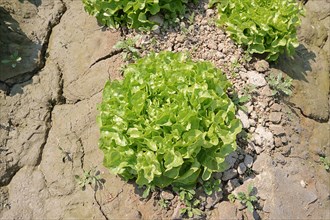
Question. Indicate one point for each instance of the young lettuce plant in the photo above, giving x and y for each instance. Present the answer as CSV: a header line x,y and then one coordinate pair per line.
x,y
169,122
263,26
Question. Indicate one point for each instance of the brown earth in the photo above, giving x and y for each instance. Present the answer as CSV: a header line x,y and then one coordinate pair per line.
x,y
48,131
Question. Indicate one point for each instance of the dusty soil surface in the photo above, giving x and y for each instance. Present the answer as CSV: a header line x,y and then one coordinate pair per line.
x,y
48,107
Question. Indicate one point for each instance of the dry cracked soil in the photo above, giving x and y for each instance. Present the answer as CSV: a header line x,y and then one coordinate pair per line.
x,y
49,134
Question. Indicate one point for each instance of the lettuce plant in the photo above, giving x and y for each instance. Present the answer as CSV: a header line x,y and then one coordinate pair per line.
x,y
133,13
263,26
168,122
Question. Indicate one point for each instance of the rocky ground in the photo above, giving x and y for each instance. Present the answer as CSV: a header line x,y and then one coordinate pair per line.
x,y
48,106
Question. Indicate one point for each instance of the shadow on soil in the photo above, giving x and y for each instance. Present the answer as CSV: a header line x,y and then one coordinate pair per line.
x,y
35,2
298,65
14,41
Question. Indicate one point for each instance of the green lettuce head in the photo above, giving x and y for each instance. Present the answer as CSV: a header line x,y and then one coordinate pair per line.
x,y
168,122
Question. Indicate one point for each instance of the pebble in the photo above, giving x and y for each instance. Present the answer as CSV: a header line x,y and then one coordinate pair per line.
x,y
248,160
252,129
276,107
278,142
212,45
284,140
244,119
241,168
256,79
262,161
266,136
277,130
303,183
167,195
261,66
209,12
275,117
231,159
232,184
213,199
252,122
229,174
266,91
258,149
257,139
286,150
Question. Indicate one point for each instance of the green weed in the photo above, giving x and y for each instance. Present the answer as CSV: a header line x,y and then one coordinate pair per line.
x,y
246,199
13,60
91,177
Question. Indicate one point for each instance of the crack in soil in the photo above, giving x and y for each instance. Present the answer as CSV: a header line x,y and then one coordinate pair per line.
x,y
59,99
100,206
111,54
319,120
293,105
28,75
82,158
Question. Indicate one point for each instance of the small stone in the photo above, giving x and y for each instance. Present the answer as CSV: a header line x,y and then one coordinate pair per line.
x,y
251,146
279,158
284,140
256,79
221,46
180,38
229,174
252,122
209,12
261,163
263,104
257,139
275,117
278,142
249,107
224,211
243,75
217,175
212,45
252,129
266,91
232,184
244,119
167,195
248,160
303,183
277,130
286,150
240,206
231,159
266,136
253,115
261,66
241,168
213,199
276,107
258,149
